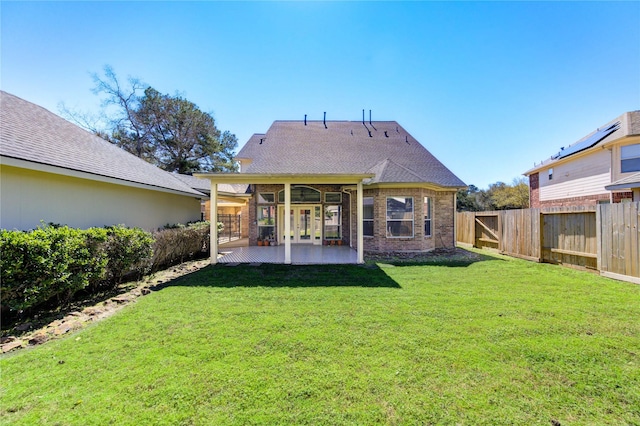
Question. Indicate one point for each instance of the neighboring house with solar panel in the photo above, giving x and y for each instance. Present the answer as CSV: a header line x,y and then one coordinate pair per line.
x,y
53,171
370,185
602,167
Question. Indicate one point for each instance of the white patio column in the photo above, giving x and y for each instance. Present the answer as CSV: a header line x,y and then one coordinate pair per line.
x,y
213,227
287,223
360,227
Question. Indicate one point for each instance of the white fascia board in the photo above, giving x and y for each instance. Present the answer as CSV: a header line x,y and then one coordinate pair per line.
x,y
46,168
280,178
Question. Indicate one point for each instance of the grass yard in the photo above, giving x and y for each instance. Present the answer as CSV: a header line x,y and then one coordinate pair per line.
x,y
495,341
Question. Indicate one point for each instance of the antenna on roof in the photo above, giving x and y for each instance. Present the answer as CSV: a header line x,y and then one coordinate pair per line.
x,y
370,117
370,134
324,120
362,116
305,119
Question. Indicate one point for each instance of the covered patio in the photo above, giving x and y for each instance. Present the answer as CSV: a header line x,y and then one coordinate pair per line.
x,y
287,252
300,255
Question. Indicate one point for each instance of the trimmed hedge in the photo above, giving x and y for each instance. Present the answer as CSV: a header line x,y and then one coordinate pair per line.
x,y
178,243
50,264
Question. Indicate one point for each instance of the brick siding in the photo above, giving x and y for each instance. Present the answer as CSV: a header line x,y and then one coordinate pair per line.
x,y
442,221
590,200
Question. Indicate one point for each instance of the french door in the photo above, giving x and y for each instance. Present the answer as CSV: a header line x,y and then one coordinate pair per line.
x,y
305,224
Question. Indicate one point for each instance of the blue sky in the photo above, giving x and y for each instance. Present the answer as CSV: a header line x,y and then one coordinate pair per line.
x,y
488,87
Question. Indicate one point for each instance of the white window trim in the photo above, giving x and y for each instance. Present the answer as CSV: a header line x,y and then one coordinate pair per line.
x,y
430,219
333,202
369,220
633,157
324,223
413,217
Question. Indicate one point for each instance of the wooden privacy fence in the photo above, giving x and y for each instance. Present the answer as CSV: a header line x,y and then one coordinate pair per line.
x,y
603,237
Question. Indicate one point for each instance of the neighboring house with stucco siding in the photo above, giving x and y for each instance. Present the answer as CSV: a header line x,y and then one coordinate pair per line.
x,y
54,171
601,167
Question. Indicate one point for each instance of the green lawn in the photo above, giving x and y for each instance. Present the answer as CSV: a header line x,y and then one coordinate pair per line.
x,y
496,341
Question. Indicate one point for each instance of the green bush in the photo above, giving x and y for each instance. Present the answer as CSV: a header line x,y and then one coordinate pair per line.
x,y
48,262
52,263
129,252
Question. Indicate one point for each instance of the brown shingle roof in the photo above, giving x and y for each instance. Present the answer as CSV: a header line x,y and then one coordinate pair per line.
x,y
382,147
32,133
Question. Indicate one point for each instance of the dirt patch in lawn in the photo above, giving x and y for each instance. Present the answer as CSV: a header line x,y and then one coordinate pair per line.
x,y
437,256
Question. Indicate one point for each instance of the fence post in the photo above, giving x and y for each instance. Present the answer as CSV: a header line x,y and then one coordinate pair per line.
x,y
541,237
599,237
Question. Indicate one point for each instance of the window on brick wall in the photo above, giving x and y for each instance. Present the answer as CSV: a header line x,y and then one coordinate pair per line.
x,y
266,222
332,222
630,156
399,217
367,216
427,210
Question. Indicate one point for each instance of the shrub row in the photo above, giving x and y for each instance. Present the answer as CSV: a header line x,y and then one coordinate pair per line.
x,y
50,264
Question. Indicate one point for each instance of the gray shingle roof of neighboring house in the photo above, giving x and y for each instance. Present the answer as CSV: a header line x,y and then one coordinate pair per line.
x,y
203,185
346,147
630,182
32,133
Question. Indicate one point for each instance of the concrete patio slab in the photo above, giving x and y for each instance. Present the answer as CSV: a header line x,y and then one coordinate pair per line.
x,y
301,254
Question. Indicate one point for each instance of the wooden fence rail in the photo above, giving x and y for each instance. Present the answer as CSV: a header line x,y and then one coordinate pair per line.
x,y
603,237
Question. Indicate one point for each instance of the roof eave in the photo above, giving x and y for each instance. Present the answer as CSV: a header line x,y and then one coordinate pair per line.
x,y
281,178
48,168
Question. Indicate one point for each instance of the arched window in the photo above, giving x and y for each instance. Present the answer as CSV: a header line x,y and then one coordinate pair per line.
x,y
301,194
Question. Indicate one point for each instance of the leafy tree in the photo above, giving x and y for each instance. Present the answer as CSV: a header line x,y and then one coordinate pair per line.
x,y
499,196
466,200
168,131
514,196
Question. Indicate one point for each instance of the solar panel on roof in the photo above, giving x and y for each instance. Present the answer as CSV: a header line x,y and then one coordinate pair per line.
x,y
589,142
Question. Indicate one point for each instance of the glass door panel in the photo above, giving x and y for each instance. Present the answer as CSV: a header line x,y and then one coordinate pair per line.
x,y
304,224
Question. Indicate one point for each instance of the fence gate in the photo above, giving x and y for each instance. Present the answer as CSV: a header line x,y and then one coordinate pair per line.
x,y
231,228
487,232
604,237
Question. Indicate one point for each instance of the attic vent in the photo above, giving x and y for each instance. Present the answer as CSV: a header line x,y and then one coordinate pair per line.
x,y
261,139
370,134
397,131
406,139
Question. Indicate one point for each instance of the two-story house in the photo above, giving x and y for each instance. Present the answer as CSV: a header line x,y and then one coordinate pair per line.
x,y
602,167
